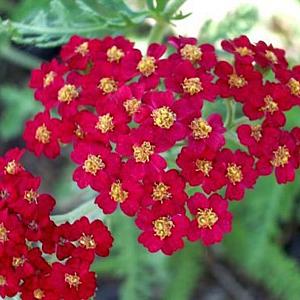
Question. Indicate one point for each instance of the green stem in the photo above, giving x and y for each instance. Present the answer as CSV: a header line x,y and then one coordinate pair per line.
x,y
157,32
173,6
19,57
230,105
83,210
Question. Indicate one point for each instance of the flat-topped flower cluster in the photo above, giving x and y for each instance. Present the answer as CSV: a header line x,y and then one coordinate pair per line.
x,y
141,141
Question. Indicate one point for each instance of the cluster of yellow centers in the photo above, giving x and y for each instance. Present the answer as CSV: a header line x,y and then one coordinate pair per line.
x,y
271,56
163,227
82,49
270,105
294,86
281,156
191,52
38,294
143,152
72,280
107,85
256,132
206,218
105,123
42,134
93,164
11,168
132,105
160,192
87,241
163,117
67,93
49,78
203,165
244,51
192,86
234,173
236,81
117,193
147,65
114,54
31,196
3,233
201,129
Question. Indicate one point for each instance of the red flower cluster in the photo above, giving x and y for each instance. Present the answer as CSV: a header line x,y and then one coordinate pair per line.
x,y
141,139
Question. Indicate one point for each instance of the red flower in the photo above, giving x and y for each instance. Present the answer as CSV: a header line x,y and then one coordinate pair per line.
x,y
10,165
187,49
41,135
241,47
194,84
47,80
125,191
212,218
163,228
269,101
9,283
90,238
73,280
239,173
281,156
165,187
96,165
237,81
149,66
8,193
142,151
199,167
268,56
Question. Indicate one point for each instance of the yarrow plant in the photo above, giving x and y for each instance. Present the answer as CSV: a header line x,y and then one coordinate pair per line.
x,y
140,140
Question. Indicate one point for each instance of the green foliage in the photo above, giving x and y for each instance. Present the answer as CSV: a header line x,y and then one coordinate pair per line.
x,y
18,106
235,23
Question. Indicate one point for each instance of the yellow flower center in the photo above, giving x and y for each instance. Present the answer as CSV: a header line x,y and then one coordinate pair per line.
x,y
93,164
2,280
38,294
11,167
234,173
236,81
201,129
73,280
142,153
108,85
192,86
270,105
114,54
163,117
191,53
281,157
244,51
206,218
82,49
294,86
3,233
31,196
162,227
67,93
18,261
105,123
42,134
49,78
203,165
147,65
271,56
256,132
160,192
117,193
79,132
132,105
87,242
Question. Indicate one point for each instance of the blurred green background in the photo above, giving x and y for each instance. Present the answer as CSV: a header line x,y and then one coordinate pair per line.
x,y
260,258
